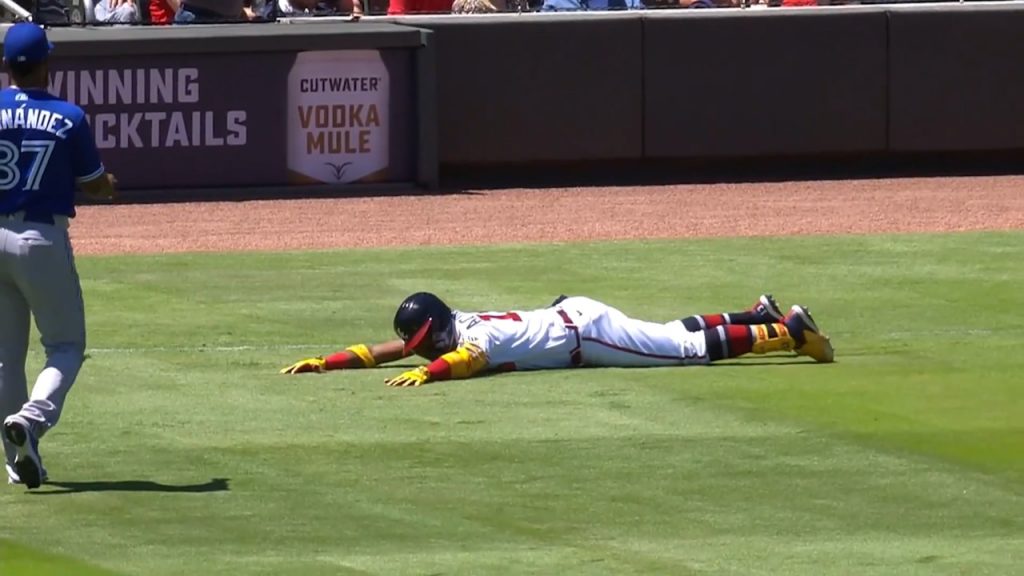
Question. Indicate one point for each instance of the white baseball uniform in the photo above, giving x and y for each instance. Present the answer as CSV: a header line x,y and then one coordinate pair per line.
x,y
577,332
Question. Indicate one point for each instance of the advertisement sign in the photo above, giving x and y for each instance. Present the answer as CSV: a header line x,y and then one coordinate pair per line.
x,y
223,120
338,117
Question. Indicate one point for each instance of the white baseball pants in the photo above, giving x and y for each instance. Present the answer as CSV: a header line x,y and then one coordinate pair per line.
x,y
610,338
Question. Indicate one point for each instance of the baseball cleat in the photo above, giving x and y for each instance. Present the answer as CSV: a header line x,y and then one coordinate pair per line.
x,y
27,465
768,308
809,339
14,479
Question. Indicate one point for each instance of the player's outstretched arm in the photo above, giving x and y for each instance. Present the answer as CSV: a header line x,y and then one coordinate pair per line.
x,y
463,362
358,356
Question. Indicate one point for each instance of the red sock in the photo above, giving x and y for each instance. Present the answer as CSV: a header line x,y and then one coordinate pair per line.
x,y
729,341
710,320
741,341
704,321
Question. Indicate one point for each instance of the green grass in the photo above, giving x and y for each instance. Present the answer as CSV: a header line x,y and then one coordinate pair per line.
x,y
182,451
15,559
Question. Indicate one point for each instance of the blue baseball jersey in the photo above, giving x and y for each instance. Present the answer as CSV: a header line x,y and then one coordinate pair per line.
x,y
46,147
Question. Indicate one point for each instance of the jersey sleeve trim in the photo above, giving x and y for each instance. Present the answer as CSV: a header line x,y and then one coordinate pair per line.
x,y
99,172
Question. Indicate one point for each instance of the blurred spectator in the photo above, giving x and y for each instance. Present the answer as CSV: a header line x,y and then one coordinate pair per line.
x,y
209,11
593,5
117,11
161,12
709,3
274,9
478,6
405,7
615,4
46,11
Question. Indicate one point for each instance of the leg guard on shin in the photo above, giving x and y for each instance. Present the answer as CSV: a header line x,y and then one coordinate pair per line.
x,y
773,337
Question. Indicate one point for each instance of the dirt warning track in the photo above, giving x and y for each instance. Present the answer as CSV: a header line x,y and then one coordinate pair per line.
x,y
557,214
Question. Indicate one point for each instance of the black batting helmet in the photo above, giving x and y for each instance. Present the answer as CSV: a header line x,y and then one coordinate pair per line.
x,y
425,318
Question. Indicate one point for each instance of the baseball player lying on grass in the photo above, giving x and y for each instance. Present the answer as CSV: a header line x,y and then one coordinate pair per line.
x,y
572,332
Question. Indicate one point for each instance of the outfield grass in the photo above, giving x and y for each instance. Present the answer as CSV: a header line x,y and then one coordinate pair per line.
x,y
182,451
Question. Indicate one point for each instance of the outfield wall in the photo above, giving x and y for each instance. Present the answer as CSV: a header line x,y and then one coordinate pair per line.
x,y
207,110
516,90
693,84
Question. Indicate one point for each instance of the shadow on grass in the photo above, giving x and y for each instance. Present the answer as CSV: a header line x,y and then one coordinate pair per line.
x,y
398,368
214,485
740,363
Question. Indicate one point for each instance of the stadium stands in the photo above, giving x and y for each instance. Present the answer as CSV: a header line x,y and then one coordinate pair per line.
x,y
167,12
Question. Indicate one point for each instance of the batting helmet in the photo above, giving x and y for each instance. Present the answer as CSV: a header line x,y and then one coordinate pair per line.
x,y
423,318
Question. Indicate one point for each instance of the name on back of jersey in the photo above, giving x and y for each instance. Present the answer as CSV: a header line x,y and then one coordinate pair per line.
x,y
29,118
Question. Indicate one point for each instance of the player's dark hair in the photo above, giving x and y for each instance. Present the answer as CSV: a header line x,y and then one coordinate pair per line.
x,y
22,70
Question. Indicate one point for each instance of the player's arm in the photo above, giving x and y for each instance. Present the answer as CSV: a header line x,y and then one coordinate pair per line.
x,y
102,187
90,174
463,362
353,357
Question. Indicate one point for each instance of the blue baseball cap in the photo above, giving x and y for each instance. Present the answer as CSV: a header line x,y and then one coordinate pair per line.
x,y
26,43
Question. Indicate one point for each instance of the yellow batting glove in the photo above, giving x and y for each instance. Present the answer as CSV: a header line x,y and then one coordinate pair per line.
x,y
317,364
411,378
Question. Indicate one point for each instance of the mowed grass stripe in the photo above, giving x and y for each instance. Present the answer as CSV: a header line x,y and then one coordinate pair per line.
x,y
17,560
898,459
396,503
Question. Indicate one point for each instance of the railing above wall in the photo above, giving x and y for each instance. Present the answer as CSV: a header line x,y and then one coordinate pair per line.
x,y
83,12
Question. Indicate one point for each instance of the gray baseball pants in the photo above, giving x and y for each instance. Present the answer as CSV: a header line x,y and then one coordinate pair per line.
x,y
38,278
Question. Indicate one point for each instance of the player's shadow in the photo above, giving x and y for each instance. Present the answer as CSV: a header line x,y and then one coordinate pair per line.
x,y
741,363
214,485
